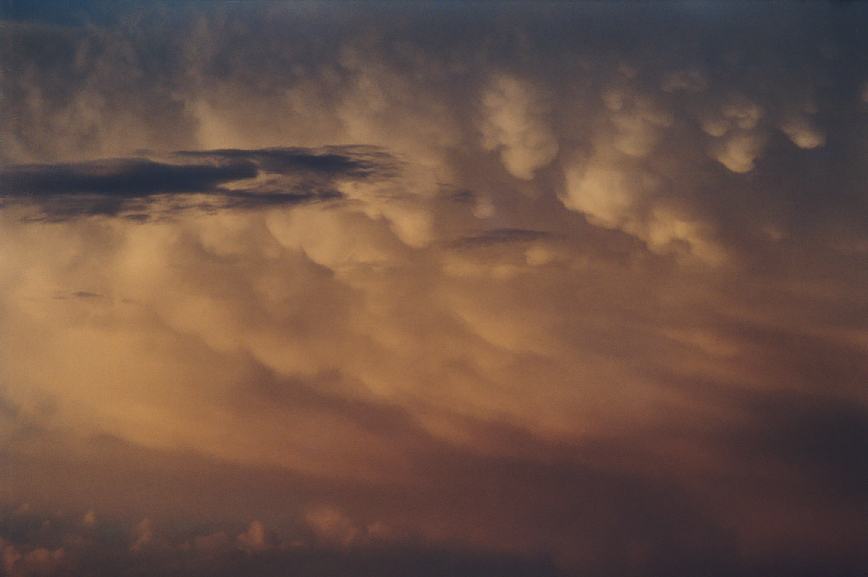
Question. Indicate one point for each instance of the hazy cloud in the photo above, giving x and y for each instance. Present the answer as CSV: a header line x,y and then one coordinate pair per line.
x,y
502,290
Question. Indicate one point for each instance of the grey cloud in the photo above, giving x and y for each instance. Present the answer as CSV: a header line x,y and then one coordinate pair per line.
x,y
121,178
329,161
129,186
566,288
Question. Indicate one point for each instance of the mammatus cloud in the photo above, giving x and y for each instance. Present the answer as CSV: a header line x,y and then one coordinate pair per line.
x,y
803,133
505,291
516,124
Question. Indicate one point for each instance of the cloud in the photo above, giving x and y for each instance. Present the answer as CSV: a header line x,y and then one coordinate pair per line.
x,y
604,192
639,125
89,519
738,152
499,236
132,178
102,557
223,179
35,562
212,543
254,539
516,124
818,437
470,294
143,536
684,80
331,526
802,132
330,161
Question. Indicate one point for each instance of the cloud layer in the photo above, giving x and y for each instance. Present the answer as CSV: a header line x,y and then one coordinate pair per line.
x,y
283,288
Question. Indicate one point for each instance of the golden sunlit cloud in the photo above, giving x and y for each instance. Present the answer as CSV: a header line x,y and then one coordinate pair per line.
x,y
427,290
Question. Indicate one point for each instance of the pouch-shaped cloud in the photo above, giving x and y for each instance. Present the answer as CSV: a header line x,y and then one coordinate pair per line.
x,y
803,132
607,193
619,196
638,121
515,122
500,291
738,139
738,151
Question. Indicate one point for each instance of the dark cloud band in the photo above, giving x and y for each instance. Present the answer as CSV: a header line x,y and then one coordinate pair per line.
x,y
118,186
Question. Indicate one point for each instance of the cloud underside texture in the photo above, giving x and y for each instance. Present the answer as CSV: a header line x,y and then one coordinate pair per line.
x,y
490,291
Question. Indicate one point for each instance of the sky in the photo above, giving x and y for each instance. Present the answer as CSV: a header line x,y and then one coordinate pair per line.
x,y
420,289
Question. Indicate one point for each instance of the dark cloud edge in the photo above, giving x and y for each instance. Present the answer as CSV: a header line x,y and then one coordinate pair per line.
x,y
137,187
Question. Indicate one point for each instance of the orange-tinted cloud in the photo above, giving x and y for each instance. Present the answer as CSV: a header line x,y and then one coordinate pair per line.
x,y
283,287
